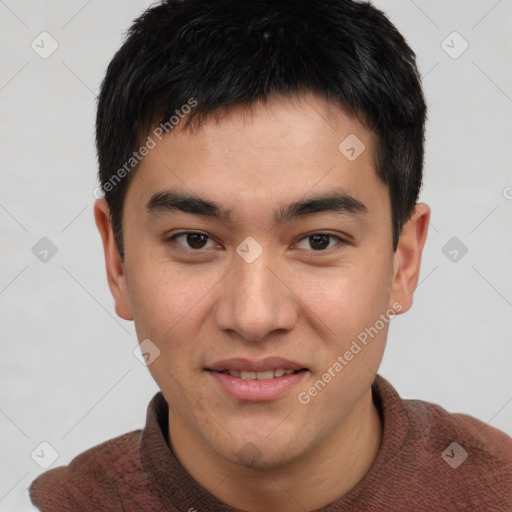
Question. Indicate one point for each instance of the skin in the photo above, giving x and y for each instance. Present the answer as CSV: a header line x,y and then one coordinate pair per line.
x,y
292,301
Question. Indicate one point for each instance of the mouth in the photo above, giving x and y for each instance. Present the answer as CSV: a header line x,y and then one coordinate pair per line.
x,y
264,375
256,381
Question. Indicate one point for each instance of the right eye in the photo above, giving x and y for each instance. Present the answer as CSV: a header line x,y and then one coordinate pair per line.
x,y
195,240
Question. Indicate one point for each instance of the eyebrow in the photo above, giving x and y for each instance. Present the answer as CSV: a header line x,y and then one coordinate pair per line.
x,y
169,201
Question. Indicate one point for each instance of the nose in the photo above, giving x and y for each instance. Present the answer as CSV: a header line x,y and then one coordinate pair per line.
x,y
257,300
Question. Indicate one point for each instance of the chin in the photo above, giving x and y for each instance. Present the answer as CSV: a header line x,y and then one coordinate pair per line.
x,y
260,454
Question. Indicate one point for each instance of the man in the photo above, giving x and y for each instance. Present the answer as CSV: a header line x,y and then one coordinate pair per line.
x,y
261,163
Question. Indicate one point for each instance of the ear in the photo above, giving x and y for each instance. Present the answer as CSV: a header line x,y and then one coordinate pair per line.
x,y
407,257
116,276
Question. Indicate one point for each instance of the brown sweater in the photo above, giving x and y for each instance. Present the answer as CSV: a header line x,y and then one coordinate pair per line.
x,y
417,468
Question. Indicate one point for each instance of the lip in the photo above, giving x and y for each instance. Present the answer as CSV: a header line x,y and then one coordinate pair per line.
x,y
257,390
262,365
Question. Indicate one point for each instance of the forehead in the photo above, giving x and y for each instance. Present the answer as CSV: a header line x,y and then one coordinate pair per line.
x,y
280,150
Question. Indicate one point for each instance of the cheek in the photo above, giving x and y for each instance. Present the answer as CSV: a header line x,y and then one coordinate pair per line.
x,y
342,301
165,299
170,308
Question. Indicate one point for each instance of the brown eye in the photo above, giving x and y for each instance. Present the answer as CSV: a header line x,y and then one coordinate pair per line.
x,y
196,240
319,241
193,240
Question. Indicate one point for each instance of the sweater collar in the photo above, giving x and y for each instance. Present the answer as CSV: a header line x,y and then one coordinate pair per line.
x,y
179,489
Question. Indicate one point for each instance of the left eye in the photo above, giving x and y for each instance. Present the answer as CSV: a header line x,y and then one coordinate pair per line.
x,y
194,240
319,241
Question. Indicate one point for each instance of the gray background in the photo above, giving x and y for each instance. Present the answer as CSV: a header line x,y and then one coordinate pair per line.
x,y
69,376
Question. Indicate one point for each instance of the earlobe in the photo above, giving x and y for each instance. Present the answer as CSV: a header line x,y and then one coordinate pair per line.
x,y
407,257
116,275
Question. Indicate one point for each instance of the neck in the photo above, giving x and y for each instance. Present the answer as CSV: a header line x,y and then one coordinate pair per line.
x,y
332,468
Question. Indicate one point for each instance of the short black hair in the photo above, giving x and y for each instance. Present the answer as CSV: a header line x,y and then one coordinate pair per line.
x,y
214,54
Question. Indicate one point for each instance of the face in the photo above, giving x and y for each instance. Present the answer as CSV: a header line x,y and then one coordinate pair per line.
x,y
252,278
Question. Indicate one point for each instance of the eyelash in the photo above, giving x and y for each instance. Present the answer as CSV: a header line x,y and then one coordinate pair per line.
x,y
172,239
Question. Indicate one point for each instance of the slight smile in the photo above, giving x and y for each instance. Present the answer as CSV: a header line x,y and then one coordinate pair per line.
x,y
256,381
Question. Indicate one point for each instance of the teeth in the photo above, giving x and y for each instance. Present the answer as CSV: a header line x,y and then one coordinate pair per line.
x,y
269,374
265,375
